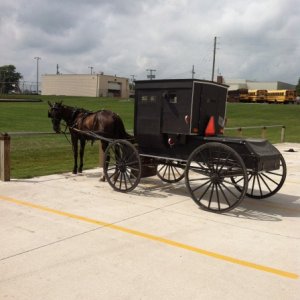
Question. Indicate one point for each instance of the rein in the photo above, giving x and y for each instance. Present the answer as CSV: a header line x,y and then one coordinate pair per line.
x,y
64,132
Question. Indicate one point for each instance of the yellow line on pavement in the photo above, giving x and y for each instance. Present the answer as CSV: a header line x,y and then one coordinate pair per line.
x,y
155,238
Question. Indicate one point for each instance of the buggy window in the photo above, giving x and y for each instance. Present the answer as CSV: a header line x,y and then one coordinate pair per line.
x,y
148,99
171,97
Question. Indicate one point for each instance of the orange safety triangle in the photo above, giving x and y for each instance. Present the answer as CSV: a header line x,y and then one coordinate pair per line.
x,y
210,128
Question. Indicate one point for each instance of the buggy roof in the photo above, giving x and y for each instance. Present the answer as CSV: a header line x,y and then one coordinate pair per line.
x,y
174,83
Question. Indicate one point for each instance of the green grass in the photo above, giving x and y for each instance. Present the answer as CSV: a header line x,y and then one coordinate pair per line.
x,y
243,115
48,154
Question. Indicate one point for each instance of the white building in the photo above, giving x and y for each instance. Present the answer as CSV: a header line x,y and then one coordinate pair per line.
x,y
97,85
236,84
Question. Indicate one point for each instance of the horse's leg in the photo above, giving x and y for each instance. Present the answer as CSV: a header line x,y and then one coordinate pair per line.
x,y
75,151
104,145
81,153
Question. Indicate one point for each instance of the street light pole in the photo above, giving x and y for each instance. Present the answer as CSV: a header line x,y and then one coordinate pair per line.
x,y
37,74
214,59
91,70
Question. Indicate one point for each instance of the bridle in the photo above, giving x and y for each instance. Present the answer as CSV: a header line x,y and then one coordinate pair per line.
x,y
57,122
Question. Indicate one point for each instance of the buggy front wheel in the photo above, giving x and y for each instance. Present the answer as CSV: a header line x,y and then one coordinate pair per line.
x,y
122,166
208,175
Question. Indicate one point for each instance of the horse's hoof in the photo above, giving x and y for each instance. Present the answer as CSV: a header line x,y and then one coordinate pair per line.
x,y
102,179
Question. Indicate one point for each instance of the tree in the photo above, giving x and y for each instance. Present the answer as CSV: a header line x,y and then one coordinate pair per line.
x,y
9,78
298,88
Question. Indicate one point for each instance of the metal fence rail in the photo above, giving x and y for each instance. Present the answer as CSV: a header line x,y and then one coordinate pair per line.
x,y
23,133
262,128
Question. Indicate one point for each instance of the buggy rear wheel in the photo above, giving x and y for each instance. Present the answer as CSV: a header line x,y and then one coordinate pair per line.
x,y
265,183
122,166
170,171
208,175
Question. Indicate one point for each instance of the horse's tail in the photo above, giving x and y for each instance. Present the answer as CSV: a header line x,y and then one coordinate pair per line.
x,y
119,130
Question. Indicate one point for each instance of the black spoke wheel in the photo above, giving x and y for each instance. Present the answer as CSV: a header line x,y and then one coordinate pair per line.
x,y
122,166
170,171
264,184
208,175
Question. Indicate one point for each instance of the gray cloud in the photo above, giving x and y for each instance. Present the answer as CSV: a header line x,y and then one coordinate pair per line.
x,y
256,40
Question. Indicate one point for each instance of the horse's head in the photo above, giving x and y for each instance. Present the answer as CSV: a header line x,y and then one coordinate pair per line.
x,y
55,113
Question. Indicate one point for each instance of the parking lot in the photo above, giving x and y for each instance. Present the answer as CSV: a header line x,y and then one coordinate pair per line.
x,y
72,237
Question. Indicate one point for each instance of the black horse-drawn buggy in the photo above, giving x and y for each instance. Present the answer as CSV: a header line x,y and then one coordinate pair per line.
x,y
178,133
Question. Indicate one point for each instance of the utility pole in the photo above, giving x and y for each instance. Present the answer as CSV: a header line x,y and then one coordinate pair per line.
x,y
214,59
132,82
151,75
193,72
91,70
57,70
37,74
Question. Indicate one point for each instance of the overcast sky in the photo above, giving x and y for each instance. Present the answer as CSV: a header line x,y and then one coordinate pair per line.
x,y
256,40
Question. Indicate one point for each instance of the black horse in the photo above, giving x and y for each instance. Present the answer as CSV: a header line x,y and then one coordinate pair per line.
x,y
83,124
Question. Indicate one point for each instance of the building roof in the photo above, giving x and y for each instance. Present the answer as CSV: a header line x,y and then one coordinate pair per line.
x,y
235,84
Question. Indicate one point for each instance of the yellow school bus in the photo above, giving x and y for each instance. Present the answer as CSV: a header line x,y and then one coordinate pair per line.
x,y
257,95
281,96
240,95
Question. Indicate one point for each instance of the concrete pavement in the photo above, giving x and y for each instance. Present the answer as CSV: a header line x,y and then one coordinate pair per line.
x,y
72,237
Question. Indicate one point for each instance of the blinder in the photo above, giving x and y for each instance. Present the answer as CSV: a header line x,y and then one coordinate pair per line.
x,y
52,113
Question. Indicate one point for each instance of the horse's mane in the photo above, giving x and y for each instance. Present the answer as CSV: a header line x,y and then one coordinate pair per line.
x,y
82,110
74,108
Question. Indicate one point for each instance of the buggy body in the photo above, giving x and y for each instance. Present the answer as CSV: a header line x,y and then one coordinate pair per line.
x,y
178,128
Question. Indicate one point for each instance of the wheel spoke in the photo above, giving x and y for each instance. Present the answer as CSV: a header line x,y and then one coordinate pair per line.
x,y
224,162
254,177
270,178
265,183
125,180
112,168
273,173
218,198
199,187
231,183
196,179
203,160
177,171
132,163
211,194
258,181
115,179
172,169
120,181
204,192
128,177
225,197
169,172
229,190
